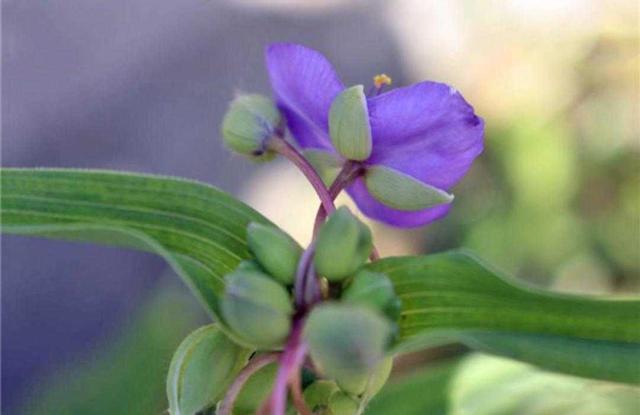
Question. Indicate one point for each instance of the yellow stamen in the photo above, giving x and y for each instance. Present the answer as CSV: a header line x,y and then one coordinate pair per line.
x,y
381,79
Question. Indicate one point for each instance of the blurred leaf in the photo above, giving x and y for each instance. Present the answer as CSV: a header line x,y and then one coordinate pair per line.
x,y
452,296
485,385
199,230
423,393
126,376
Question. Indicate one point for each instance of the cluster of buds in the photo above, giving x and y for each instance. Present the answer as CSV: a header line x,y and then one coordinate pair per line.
x,y
320,319
348,329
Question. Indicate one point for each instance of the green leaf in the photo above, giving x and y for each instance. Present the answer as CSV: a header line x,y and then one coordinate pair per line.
x,y
425,392
198,229
453,297
201,370
485,385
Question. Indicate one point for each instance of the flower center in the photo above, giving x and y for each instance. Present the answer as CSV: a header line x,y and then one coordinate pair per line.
x,y
379,82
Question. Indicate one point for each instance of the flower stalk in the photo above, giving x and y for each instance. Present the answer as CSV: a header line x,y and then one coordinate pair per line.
x,y
255,364
282,147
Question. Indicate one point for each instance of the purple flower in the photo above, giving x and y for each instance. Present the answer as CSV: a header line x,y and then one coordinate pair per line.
x,y
426,131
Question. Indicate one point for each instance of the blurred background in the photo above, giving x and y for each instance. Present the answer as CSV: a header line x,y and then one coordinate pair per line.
x,y
142,85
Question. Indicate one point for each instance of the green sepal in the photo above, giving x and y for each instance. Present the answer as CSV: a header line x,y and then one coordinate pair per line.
x,y
403,192
201,369
326,164
349,126
256,390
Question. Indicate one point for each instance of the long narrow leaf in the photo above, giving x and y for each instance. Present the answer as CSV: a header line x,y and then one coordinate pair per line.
x,y
198,229
453,296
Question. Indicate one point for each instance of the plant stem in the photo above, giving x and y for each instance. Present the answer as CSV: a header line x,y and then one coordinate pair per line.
x,y
255,364
290,361
350,171
281,146
296,394
301,280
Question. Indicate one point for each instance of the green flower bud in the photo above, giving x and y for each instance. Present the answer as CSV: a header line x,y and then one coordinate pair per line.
x,y
346,341
201,369
256,390
349,126
344,244
374,290
369,383
275,250
403,192
342,404
257,309
248,123
318,393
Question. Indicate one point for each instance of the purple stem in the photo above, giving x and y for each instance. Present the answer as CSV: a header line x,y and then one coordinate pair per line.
x,y
281,146
290,361
350,171
301,275
255,364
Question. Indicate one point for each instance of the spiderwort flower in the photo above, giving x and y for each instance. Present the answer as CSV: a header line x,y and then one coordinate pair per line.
x,y
424,137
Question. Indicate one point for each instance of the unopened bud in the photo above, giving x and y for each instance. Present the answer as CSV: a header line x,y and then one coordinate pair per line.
x,y
349,126
374,290
344,244
201,369
367,384
257,309
346,341
256,390
318,393
342,404
403,192
275,250
249,122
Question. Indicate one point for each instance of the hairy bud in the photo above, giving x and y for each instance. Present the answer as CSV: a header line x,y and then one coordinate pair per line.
x,y
344,244
257,309
275,250
248,124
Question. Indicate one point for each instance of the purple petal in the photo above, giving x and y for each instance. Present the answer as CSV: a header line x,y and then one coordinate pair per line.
x,y
305,84
427,131
404,219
